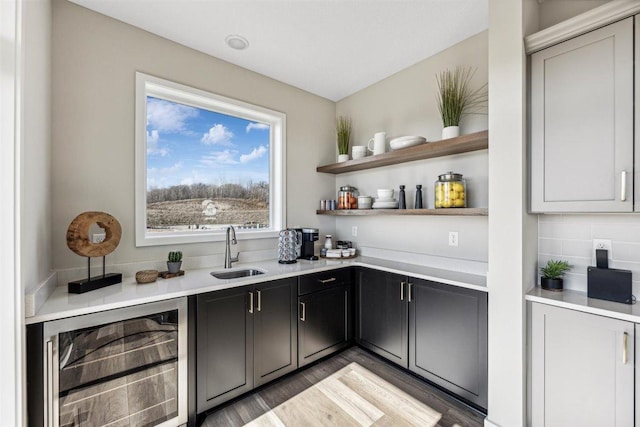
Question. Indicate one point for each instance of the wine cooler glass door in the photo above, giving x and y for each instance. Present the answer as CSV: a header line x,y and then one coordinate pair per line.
x,y
124,367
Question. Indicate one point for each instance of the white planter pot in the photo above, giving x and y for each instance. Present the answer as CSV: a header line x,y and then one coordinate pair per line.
x,y
343,158
450,132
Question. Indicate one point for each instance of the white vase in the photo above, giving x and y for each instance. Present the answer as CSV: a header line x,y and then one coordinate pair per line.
x,y
450,132
343,158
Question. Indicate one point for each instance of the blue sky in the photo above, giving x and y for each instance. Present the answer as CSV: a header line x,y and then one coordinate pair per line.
x,y
188,145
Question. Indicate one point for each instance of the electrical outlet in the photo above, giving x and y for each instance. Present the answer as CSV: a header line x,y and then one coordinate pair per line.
x,y
602,244
98,237
354,231
453,238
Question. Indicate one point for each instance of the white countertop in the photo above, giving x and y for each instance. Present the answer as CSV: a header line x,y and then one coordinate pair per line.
x,y
62,304
579,301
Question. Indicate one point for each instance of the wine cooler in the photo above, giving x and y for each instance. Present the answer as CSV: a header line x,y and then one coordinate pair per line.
x,y
123,367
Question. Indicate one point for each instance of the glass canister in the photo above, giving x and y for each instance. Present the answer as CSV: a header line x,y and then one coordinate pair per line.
x,y
348,197
450,191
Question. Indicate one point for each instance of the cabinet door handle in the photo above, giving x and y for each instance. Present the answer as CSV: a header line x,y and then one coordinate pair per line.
x,y
623,186
251,302
409,288
49,385
259,307
401,291
329,280
625,337
303,314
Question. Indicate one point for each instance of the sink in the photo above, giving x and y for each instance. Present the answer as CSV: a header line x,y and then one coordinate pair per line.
x,y
236,274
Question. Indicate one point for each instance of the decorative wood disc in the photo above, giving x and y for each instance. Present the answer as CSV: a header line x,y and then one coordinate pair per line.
x,y
78,239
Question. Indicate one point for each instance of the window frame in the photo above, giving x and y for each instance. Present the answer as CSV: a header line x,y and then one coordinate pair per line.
x,y
147,85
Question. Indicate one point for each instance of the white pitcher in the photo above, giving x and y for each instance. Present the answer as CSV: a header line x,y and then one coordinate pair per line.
x,y
379,141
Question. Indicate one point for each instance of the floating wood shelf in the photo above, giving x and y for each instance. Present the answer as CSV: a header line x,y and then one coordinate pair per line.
x,y
461,144
374,212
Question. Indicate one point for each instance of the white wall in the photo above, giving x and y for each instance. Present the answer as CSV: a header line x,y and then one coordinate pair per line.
x,y
94,63
511,249
35,213
405,104
10,292
570,237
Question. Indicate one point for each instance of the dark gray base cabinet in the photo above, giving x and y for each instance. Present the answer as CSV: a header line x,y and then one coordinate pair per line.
x,y
325,323
448,338
382,314
245,338
437,331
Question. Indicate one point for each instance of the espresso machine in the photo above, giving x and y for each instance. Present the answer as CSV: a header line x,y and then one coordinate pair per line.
x,y
309,237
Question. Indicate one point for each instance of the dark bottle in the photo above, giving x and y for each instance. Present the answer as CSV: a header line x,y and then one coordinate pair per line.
x,y
418,204
402,201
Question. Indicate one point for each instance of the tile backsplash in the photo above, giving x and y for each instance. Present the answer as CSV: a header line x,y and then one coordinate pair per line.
x,y
570,237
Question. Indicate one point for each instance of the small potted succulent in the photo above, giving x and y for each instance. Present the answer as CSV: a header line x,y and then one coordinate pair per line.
x,y
343,136
174,261
552,275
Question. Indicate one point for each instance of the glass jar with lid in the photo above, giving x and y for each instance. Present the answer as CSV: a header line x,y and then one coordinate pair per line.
x,y
348,197
450,191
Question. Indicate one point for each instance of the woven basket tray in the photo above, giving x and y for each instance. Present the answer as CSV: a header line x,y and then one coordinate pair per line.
x,y
146,276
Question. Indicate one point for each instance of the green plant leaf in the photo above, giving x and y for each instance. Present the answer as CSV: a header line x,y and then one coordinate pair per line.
x,y
343,133
555,269
456,97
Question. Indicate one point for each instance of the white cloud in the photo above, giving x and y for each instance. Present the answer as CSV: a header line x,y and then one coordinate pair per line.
x,y
218,135
166,116
158,177
258,126
217,158
152,144
255,154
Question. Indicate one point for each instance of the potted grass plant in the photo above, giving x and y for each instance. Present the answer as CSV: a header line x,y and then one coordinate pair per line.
x,y
552,275
343,135
456,98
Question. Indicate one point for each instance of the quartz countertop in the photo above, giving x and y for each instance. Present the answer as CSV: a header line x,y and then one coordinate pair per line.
x,y
579,301
62,304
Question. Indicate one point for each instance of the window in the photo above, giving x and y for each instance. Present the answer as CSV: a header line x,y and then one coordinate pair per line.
x,y
204,162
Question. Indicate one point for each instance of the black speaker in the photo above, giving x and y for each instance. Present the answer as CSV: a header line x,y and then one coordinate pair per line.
x,y
609,284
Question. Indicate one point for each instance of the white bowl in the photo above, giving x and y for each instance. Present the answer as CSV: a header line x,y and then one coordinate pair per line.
x,y
406,141
385,194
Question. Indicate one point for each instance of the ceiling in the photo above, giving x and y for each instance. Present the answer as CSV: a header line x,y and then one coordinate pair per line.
x,y
332,48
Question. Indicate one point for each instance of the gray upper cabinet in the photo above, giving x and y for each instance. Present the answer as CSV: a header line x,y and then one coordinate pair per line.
x,y
582,122
582,369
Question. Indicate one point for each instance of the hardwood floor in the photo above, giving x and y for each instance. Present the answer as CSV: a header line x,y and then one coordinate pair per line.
x,y
352,388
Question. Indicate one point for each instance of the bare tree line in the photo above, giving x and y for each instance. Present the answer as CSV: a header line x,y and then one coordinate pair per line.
x,y
250,191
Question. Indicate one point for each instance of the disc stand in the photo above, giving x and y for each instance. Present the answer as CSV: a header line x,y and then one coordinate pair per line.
x,y
93,283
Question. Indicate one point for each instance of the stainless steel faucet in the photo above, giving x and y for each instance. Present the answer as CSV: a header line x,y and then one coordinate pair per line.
x,y
231,239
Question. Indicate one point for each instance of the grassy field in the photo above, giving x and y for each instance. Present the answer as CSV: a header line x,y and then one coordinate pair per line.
x,y
183,213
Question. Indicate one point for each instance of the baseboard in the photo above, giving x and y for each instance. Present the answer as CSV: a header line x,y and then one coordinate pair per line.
x,y
36,296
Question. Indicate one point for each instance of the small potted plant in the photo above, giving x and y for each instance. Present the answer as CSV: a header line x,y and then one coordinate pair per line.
x,y
343,134
456,98
174,261
552,275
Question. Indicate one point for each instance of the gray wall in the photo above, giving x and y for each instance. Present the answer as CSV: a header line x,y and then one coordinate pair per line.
x,y
405,104
94,63
555,11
